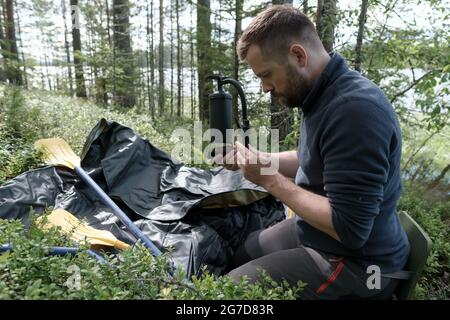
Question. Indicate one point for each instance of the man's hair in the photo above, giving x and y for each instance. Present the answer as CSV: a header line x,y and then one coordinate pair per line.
x,y
275,29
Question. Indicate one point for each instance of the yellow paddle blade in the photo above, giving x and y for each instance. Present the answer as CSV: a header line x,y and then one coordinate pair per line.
x,y
79,231
57,152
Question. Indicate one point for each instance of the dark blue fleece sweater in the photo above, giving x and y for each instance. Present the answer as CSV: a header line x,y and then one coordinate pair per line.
x,y
349,151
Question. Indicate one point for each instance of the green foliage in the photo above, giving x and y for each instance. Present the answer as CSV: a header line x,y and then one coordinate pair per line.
x,y
407,59
19,127
291,140
28,272
17,119
425,152
72,119
432,213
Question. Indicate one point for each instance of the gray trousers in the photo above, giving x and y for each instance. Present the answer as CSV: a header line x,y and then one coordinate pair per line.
x,y
279,251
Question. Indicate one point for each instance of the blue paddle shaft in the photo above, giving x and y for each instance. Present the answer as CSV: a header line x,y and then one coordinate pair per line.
x,y
59,251
118,212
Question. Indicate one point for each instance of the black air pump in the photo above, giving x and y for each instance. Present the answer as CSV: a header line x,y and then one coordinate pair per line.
x,y
221,110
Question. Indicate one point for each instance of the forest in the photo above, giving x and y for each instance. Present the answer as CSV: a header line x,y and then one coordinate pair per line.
x,y
64,65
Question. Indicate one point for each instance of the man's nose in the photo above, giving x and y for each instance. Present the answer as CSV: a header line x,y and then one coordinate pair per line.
x,y
266,87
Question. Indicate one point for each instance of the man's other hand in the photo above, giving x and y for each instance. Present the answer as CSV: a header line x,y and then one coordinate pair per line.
x,y
255,165
228,161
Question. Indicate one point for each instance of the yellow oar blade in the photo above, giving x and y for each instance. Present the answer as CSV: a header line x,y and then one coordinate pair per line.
x,y
79,231
57,152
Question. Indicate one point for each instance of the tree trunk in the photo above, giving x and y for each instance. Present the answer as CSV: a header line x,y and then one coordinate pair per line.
x,y
281,118
359,38
108,22
110,42
2,36
66,45
237,34
421,169
92,68
216,23
49,80
171,58
440,176
3,76
24,73
125,92
76,42
191,38
424,170
326,20
103,36
203,56
179,61
13,71
150,60
42,77
161,95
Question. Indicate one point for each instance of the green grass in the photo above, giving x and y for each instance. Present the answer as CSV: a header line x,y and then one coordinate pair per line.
x,y
26,117
19,127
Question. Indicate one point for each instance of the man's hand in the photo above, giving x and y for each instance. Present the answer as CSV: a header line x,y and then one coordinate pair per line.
x,y
228,161
255,165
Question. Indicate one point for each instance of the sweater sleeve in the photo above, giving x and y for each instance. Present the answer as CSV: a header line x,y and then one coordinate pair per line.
x,y
355,151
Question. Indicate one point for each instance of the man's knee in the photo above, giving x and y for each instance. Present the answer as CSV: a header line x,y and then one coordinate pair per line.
x,y
240,257
250,270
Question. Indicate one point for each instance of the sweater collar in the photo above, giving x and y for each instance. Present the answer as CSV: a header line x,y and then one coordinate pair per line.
x,y
335,67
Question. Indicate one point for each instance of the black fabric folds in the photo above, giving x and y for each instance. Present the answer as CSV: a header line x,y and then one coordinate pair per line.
x,y
178,207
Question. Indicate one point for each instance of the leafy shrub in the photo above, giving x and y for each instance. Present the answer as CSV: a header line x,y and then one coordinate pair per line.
x,y
432,214
28,272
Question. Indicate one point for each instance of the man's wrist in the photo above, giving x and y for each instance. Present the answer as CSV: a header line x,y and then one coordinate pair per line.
x,y
274,182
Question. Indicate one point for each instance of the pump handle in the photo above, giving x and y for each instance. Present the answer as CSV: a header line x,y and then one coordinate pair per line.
x,y
219,80
224,80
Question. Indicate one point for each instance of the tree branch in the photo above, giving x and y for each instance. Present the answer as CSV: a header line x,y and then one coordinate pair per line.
x,y
440,176
412,85
418,149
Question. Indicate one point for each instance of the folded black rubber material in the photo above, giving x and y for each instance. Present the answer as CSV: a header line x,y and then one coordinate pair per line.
x,y
203,215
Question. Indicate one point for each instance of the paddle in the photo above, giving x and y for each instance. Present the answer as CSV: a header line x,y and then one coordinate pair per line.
x,y
57,152
59,251
80,231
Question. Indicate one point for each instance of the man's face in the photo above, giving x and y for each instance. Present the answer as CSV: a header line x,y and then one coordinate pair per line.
x,y
283,81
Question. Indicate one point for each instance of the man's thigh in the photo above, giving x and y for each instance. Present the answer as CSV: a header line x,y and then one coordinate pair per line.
x,y
294,265
278,250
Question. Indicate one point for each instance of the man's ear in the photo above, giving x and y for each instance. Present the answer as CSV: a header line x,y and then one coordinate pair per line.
x,y
299,54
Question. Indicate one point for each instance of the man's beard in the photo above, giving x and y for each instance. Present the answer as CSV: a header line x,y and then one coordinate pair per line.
x,y
297,89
